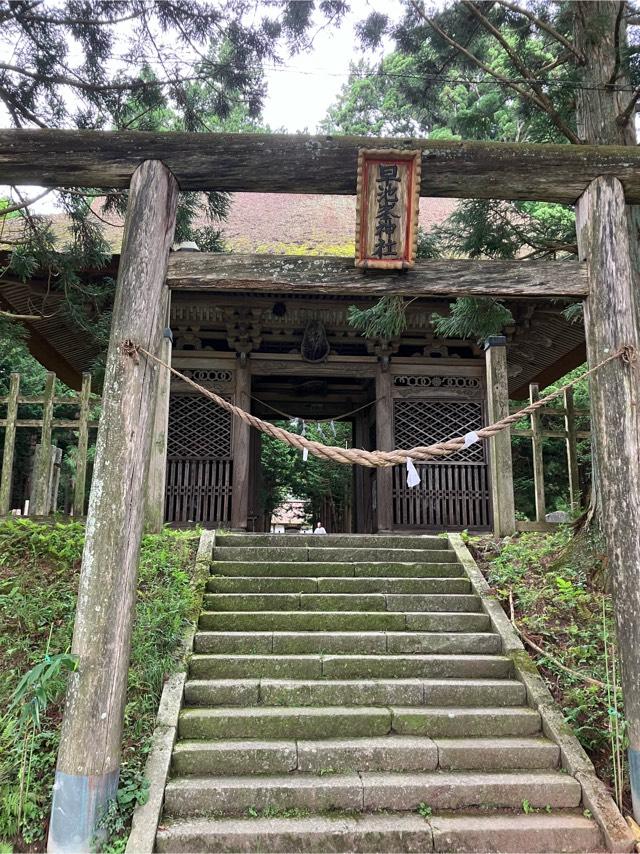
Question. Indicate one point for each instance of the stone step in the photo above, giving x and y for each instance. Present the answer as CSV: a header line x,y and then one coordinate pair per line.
x,y
381,753
370,791
381,541
345,621
263,643
326,756
278,722
454,722
300,584
349,666
490,754
392,832
325,569
341,602
289,554
370,692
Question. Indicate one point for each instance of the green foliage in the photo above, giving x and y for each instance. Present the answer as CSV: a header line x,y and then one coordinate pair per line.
x,y
472,317
386,319
287,475
557,585
554,454
39,572
425,811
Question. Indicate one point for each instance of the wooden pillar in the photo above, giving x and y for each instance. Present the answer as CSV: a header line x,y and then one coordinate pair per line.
x,y
9,445
157,473
384,442
41,481
538,460
89,754
572,449
359,439
611,321
241,449
83,445
504,517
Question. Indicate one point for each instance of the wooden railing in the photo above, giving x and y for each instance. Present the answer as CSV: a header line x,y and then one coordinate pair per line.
x,y
537,433
46,468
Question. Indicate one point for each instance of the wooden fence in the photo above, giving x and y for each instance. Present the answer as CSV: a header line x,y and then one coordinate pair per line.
x,y
537,433
46,466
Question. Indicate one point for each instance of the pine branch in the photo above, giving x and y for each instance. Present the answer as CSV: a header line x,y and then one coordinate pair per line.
x,y
514,7
541,99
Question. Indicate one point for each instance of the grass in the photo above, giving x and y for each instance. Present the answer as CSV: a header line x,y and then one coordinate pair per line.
x,y
555,585
39,572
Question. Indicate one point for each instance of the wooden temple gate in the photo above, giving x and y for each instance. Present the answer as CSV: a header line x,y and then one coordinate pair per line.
x,y
602,181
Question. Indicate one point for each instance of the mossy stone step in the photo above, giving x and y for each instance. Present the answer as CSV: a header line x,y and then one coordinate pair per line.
x,y
357,541
290,554
258,568
341,602
456,722
278,723
390,832
502,754
316,584
358,643
354,692
349,666
370,791
343,621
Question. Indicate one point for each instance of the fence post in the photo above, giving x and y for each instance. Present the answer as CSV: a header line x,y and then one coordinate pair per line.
x,y
83,445
90,743
572,449
54,482
504,515
9,445
41,483
536,449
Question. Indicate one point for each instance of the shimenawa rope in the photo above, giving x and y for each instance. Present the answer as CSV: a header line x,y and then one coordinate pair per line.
x,y
376,459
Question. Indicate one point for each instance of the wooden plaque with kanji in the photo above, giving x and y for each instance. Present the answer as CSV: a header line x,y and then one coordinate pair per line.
x,y
387,208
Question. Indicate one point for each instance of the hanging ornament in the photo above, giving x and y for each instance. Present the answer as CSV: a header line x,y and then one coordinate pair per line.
x,y
413,478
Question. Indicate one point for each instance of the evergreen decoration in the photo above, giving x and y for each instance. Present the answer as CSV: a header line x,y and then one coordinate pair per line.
x,y
472,317
385,319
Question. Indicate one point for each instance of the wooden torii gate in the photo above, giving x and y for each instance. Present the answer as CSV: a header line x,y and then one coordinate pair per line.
x,y
600,180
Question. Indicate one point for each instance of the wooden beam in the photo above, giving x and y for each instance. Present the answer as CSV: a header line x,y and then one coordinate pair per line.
x,y
287,274
90,743
283,163
573,359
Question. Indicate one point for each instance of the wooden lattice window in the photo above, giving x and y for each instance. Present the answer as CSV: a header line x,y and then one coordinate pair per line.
x,y
198,429
422,422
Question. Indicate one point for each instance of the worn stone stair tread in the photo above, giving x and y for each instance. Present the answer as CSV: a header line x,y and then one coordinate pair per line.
x,y
371,791
353,692
331,554
330,584
360,643
325,569
353,621
499,754
284,722
316,666
389,541
563,833
468,722
341,602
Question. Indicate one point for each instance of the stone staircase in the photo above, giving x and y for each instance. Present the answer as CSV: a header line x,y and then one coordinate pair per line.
x,y
347,693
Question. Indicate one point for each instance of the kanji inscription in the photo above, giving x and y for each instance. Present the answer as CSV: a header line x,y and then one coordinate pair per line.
x,y
387,213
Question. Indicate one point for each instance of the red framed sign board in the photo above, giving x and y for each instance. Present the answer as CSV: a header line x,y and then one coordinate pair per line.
x,y
387,208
